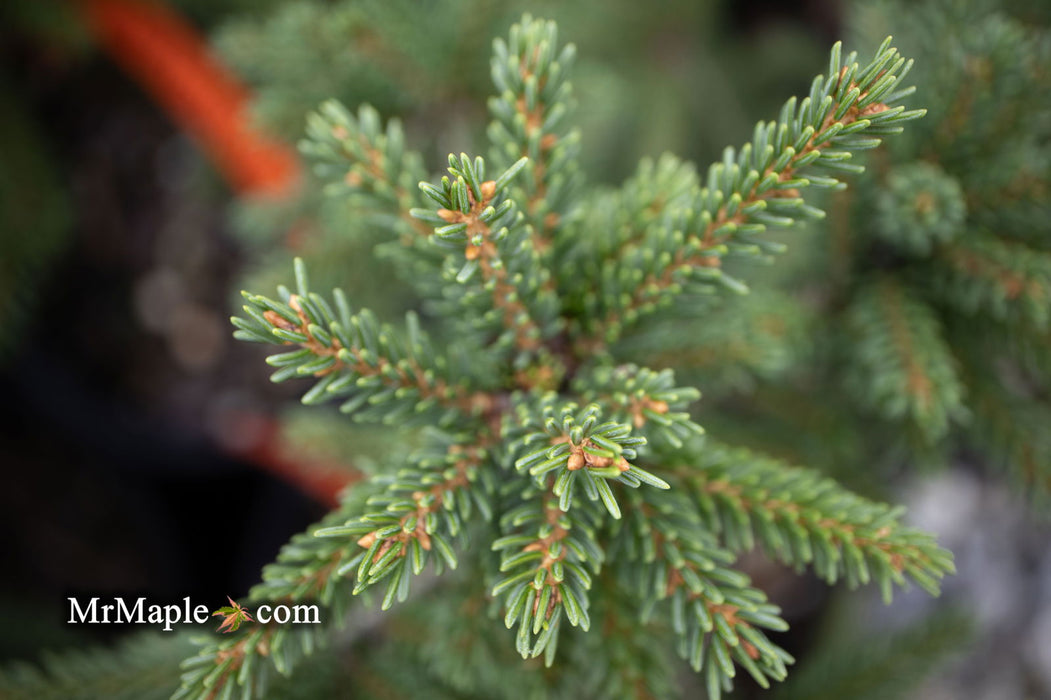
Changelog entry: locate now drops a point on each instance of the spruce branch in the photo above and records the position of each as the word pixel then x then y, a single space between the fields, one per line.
pixel 378 375
pixel 902 365
pixel 618 224
pixel 530 110
pixel 371 169
pixel 716 615
pixel 647 399
pixel 805 519
pixel 1005 279
pixel 577 450
pixel 513 299
pixel 757 187
pixel 423 509
pixel 358 158
pixel 544 570
pixel 420 511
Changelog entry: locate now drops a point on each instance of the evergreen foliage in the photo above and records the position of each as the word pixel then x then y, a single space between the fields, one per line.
pixel 141 667
pixel 427 65
pixel 586 475
pixel 804 518
pixel 931 305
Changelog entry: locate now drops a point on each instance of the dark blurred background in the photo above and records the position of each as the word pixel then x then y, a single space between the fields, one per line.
pixel 117 365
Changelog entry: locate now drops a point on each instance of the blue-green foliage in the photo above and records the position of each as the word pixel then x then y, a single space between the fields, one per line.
pixel 542 444
pixel 937 292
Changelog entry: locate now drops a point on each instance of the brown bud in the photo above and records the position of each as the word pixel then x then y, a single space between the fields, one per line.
pixel 278 321
pixel 874 108
pixel 488 189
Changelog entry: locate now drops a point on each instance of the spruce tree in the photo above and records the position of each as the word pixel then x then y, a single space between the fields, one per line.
pixel 569 490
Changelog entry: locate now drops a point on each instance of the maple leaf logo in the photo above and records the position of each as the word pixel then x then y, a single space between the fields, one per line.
pixel 233 616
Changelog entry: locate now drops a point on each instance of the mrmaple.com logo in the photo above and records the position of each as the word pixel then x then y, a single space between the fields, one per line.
pixel 120 611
